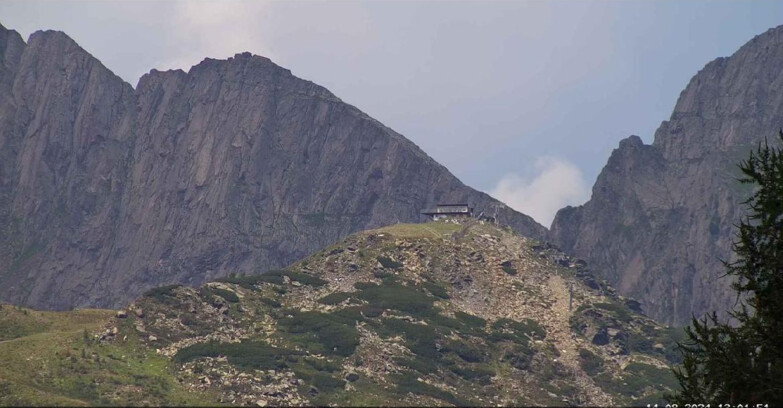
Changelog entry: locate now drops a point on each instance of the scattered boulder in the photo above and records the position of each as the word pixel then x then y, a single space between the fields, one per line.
pixel 121 314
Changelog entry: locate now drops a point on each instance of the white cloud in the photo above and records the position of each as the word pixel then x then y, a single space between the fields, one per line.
pixel 202 29
pixel 556 183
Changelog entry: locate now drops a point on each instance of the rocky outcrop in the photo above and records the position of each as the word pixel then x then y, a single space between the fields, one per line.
pixel 661 217
pixel 236 165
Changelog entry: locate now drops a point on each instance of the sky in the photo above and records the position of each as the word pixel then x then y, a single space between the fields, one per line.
pixel 522 99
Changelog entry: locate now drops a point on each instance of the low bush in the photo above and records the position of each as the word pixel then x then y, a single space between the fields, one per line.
pixel 590 362
pixel 388 263
pixel 225 294
pixel 397 297
pixel 466 351
pixel 420 339
pixel 247 354
pixel 335 298
pixel 479 374
pixel 329 333
pixel 408 383
pixel 422 365
pixel 471 320
pixel 162 294
pixel 436 290
pixel 620 311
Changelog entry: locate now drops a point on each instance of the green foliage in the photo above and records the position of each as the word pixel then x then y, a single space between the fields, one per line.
pixel 388 263
pixel 470 320
pixel 419 338
pixel 436 290
pixel 228 295
pixel 247 354
pixel 509 270
pixel 271 302
pixel 743 363
pixel 249 282
pixel 518 331
pixel 408 383
pixel 335 298
pixel 591 363
pixel 475 373
pixel 162 294
pixel 322 332
pixel 620 311
pixel 397 297
pixel 466 351
pixel 422 365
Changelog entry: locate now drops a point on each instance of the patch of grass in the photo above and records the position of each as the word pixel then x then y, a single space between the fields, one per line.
pixel 425 230
pixel 518 332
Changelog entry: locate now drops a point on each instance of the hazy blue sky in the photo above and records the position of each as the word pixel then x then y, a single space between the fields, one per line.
pixel 524 100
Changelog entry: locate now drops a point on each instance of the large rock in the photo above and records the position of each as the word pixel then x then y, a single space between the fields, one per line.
pixel 661 217
pixel 234 166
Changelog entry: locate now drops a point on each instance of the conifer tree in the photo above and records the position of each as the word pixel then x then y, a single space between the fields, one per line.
pixel 742 362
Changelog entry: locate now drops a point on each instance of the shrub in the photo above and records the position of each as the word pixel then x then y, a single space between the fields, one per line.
pixel 422 365
pixel 509 270
pixel 479 374
pixel 620 311
pixel 304 278
pixel 335 298
pixel 162 294
pixel 388 263
pixel 397 297
pixel 270 302
pixel 249 282
pixel 323 364
pixel 326 383
pixel 590 362
pixel 408 383
pixel 420 339
pixel 225 294
pixel 470 320
pixel 248 354
pixel 466 351
pixel 329 332
pixel 436 290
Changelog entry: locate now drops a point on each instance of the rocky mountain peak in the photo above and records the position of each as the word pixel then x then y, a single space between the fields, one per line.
pixel 236 165
pixel 662 216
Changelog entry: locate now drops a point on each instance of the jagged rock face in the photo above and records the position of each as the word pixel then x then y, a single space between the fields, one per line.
pixel 661 217
pixel 235 166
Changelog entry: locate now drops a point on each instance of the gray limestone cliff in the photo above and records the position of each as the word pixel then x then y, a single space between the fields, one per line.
pixel 236 166
pixel 661 217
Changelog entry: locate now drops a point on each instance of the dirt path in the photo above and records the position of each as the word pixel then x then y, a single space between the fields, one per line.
pixel 565 343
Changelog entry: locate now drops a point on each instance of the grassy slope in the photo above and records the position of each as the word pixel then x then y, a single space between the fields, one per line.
pixel 48 361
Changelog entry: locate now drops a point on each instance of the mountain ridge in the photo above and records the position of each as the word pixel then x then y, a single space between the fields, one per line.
pixel 235 165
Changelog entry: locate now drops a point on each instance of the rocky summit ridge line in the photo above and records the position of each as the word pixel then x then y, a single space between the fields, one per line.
pixel 236 165
pixel 661 216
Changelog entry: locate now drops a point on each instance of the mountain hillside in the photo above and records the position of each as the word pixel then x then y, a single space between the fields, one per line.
pixel 661 217
pixel 412 314
pixel 235 165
